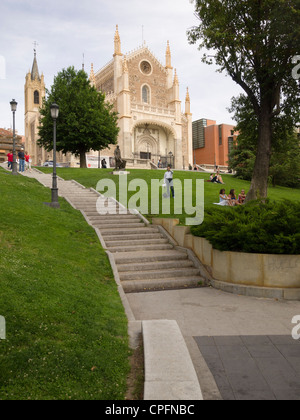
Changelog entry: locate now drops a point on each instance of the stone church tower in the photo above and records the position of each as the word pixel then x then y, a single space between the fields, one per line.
pixel 34 94
pixel 145 93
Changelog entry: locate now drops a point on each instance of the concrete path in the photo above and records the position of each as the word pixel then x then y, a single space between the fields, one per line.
pixel 241 347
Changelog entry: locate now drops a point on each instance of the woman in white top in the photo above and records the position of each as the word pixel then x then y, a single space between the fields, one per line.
pixel 168 180
pixel 223 199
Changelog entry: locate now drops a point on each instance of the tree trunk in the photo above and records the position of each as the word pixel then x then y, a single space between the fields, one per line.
pixel 259 183
pixel 82 160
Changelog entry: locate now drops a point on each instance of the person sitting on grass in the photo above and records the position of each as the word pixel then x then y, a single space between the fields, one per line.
pixel 232 200
pixel 216 179
pixel 242 197
pixel 220 179
pixel 223 199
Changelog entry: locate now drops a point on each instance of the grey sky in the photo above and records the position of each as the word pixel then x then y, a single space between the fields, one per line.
pixel 67 29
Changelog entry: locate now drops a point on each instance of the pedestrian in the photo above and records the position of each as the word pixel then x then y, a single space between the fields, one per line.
pixel 10 160
pixel 103 163
pixel 28 161
pixel 168 180
pixel 21 156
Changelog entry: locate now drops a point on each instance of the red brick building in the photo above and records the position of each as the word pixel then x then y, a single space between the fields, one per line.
pixel 6 143
pixel 212 142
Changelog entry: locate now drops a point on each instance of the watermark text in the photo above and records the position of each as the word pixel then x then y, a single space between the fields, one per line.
pixel 2 328
pixel 186 195
pixel 296 69
pixel 296 329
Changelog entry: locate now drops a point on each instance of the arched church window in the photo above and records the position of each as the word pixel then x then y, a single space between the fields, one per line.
pixel 146 94
pixel 36 97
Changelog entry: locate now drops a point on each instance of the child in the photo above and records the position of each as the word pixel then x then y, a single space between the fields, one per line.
pixel 242 197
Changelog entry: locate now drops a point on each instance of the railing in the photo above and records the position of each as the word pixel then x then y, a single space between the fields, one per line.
pixel 153 110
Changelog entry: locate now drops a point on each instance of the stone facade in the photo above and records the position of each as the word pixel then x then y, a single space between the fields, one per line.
pixel 145 94
pixel 34 93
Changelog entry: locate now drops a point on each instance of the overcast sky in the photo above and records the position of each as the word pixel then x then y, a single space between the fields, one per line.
pixel 67 29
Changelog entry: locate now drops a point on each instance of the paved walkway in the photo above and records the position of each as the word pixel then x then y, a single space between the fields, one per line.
pixel 241 346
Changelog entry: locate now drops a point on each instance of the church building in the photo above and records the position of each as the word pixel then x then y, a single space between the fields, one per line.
pixel 34 92
pixel 145 93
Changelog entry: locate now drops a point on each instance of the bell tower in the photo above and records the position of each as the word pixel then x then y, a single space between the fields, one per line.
pixel 34 93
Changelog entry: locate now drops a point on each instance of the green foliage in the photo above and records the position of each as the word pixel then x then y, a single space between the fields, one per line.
pixel 253 43
pixel 66 327
pixel 86 122
pixel 267 228
pixel 285 159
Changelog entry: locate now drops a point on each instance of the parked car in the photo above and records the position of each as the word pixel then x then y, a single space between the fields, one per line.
pixel 49 164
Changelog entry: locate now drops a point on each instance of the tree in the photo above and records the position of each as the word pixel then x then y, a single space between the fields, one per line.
pixel 285 152
pixel 255 42
pixel 86 122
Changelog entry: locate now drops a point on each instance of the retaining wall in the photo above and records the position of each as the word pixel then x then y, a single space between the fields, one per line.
pixel 273 275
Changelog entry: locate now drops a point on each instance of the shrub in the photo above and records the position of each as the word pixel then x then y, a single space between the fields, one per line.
pixel 267 228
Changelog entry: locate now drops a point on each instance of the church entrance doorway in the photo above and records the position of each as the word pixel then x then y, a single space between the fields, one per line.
pixel 145 155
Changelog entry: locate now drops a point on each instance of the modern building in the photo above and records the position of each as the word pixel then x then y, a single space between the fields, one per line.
pixel 212 143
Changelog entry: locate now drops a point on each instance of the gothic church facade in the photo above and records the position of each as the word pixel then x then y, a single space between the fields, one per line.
pixel 145 93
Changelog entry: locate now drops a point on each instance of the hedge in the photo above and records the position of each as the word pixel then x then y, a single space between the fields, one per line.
pixel 256 227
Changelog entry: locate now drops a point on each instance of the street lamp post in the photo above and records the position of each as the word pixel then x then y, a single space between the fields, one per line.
pixel 13 105
pixel 54 108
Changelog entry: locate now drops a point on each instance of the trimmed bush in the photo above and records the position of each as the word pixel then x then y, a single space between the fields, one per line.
pixel 270 228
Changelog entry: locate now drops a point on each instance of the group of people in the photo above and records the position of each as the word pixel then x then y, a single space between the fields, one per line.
pixel 216 178
pixel 24 160
pixel 231 199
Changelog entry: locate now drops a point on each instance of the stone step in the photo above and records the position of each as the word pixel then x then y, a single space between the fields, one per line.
pixel 159 274
pixel 102 220
pixel 154 265
pixel 117 225
pixel 133 286
pixel 121 238
pixel 84 201
pixel 94 212
pixel 113 217
pixel 139 248
pixel 128 231
pixel 132 242
pixel 149 256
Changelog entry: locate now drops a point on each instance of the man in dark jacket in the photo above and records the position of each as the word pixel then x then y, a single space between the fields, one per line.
pixel 21 156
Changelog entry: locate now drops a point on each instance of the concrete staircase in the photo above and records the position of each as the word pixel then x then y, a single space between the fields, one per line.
pixel 144 256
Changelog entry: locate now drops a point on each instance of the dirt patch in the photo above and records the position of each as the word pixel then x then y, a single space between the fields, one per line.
pixel 135 381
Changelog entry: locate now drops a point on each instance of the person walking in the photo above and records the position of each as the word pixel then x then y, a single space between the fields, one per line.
pixel 10 159
pixel 21 156
pixel 168 180
pixel 28 161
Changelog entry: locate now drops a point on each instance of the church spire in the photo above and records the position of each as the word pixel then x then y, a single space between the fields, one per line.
pixel 187 102
pixel 176 81
pixel 92 76
pixel 168 57
pixel 117 42
pixel 35 70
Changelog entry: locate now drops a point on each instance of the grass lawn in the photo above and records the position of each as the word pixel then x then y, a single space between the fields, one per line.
pixel 66 330
pixel 90 177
